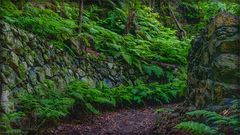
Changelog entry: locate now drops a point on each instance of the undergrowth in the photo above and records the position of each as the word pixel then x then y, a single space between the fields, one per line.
pixel 9 123
pixel 200 13
pixel 150 45
pixel 205 122
pixel 47 104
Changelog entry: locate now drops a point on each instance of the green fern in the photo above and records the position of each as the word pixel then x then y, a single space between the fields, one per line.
pixel 231 123
pixel 47 103
pixel 160 110
pixel 7 120
pixel 214 117
pixel 128 58
pixel 153 70
pixel 150 42
pixel 91 108
pixel 196 128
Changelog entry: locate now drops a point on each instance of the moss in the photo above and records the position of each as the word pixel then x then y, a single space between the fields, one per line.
pixel 7 70
pixel 22 69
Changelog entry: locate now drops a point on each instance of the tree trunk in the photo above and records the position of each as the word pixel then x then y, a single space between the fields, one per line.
pixel 131 17
pixel 129 25
pixel 153 5
pixel 80 19
pixel 1 107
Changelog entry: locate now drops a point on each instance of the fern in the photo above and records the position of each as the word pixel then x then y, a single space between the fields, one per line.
pixel 46 103
pixel 147 69
pixel 196 128
pixel 54 108
pixel 214 117
pixel 49 104
pixel 138 64
pixel 7 120
pixel 88 97
pixel 160 110
pixel 153 70
pixel 91 108
pixel 150 42
pixel 128 58
pixel 217 121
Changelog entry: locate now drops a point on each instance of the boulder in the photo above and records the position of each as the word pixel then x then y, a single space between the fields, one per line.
pixel 213 70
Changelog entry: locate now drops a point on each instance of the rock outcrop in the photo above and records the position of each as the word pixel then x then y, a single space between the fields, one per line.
pixel 26 61
pixel 214 62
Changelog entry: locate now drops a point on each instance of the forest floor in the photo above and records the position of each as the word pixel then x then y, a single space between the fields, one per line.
pixel 137 121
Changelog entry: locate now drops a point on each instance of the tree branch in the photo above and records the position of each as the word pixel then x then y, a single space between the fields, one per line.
pixel 182 31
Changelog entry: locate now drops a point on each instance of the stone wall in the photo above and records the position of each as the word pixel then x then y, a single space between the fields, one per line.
pixel 214 62
pixel 26 61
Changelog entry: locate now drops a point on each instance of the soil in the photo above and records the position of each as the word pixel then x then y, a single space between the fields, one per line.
pixel 123 122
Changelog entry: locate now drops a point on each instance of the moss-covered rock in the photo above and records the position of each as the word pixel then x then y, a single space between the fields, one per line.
pixel 215 57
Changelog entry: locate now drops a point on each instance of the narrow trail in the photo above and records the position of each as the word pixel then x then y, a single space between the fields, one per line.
pixel 123 122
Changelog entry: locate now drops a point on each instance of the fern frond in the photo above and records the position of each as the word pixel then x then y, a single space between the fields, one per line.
pixel 153 70
pixel 210 116
pixel 91 108
pixel 196 128
pixel 217 120
pixel 128 58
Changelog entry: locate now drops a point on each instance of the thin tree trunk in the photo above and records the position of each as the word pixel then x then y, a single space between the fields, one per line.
pixel 1 85
pixel 62 8
pixel 150 3
pixel 19 3
pixel 182 31
pixel 80 19
pixel 153 5
pixel 131 16
pixel 99 2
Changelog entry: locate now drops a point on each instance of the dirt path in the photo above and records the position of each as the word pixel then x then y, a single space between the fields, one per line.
pixel 123 122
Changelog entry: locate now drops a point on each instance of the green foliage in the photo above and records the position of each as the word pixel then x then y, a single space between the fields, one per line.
pixel 115 21
pixel 196 128
pixel 160 110
pixel 46 103
pixel 88 97
pixel 210 8
pixel 216 119
pixel 153 69
pixel 8 120
pixel 150 41
pixel 209 122
pixel 144 47
pixel 122 95
pixel 46 23
pixel 42 22
pixel 205 10
pixel 7 8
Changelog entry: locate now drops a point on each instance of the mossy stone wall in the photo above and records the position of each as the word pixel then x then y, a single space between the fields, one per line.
pixel 26 61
